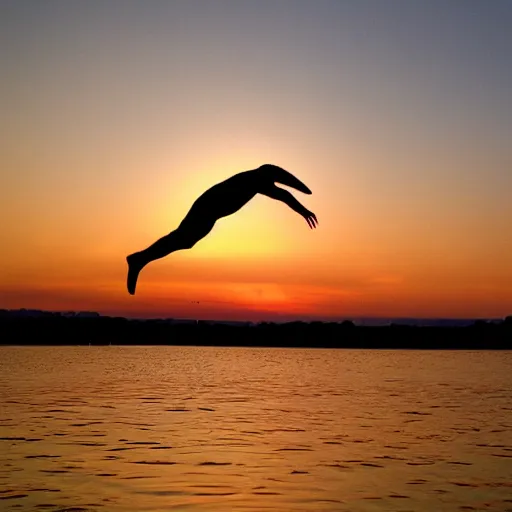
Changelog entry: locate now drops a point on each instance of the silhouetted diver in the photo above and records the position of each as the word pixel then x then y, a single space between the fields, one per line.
pixel 221 200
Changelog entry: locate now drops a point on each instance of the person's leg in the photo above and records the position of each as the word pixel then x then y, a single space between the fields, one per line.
pixel 185 237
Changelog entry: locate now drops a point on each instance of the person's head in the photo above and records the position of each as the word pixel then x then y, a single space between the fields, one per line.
pixel 279 175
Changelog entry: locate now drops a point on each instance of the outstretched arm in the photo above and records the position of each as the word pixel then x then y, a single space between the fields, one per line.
pixel 283 195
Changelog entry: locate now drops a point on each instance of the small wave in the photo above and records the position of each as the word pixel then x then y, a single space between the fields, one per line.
pixel 155 462
pixel 142 442
pixel 293 450
pixel 209 463
pixel 42 456
pixel 13 496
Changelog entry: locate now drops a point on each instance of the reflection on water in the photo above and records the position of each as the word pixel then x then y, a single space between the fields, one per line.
pixel 192 428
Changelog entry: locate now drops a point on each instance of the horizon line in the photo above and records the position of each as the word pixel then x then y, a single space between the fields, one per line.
pixel 274 321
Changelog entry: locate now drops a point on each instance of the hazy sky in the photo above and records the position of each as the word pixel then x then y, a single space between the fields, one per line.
pixel 116 115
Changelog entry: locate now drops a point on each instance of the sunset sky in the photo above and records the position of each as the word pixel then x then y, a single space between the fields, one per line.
pixel 117 115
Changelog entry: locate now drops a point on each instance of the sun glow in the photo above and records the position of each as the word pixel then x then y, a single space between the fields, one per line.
pixel 110 135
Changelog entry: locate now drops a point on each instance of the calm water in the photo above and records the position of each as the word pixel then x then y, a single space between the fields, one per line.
pixel 229 429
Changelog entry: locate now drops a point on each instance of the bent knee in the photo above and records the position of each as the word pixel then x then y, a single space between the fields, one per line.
pixel 188 244
pixel 189 237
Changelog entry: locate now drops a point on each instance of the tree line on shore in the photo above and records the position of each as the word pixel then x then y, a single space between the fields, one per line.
pixel 48 328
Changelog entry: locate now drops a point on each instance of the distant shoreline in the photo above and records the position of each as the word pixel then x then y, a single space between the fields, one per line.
pixel 25 328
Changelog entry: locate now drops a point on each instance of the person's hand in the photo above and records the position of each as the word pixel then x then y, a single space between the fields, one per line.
pixel 310 219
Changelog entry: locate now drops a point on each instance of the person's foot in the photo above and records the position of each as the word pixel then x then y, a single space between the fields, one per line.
pixel 134 268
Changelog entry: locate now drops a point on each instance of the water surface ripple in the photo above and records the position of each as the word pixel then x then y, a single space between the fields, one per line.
pixel 218 429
